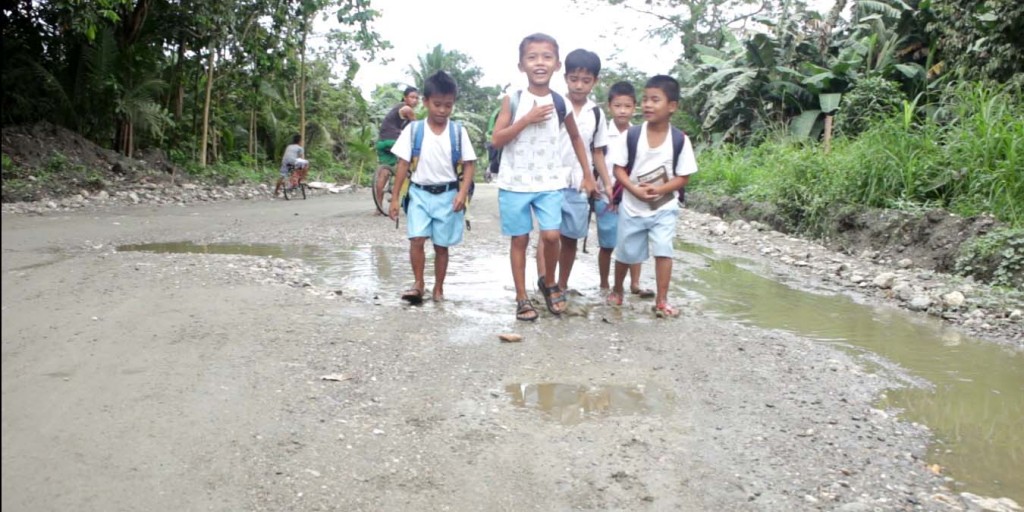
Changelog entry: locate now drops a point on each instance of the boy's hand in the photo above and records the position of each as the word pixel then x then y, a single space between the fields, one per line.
pixel 460 201
pixel 648 192
pixel 589 186
pixel 539 113
pixel 393 211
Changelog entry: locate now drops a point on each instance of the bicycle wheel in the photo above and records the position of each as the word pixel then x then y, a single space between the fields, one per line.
pixel 286 189
pixel 302 188
pixel 382 188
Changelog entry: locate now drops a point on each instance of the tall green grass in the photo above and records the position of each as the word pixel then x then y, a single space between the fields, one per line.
pixel 965 154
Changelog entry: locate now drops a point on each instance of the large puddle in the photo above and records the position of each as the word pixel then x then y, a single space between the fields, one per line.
pixel 976 408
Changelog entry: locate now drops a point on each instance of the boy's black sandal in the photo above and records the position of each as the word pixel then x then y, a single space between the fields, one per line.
pixel 550 301
pixel 525 310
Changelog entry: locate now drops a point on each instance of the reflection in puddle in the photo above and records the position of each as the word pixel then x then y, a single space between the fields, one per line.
pixel 977 406
pixel 277 251
pixel 570 404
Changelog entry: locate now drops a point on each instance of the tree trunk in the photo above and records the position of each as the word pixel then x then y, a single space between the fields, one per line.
pixel 302 85
pixel 179 83
pixel 206 108
pixel 828 134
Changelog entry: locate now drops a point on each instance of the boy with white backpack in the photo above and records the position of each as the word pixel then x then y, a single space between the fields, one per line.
pixel 434 150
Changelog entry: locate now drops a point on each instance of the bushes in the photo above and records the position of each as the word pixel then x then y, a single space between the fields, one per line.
pixel 967 156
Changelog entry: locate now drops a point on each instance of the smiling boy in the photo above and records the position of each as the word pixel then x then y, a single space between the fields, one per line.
pixel 648 212
pixel 532 172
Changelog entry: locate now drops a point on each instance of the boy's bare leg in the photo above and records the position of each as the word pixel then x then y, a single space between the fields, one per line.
pixel 634 276
pixel 541 261
pixel 604 266
pixel 620 276
pixel 517 257
pixel 550 246
pixel 440 271
pixel 382 179
pixel 662 273
pixel 277 188
pixel 418 258
pixel 566 258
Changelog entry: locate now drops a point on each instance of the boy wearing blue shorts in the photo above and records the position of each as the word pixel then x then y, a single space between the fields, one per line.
pixel 650 179
pixel 622 106
pixel 532 172
pixel 581 71
pixel 437 198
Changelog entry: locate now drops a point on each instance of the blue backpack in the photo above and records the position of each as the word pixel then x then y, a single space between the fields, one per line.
pixel 455 134
pixel 493 153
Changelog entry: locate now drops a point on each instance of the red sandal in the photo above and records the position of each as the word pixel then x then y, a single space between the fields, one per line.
pixel 664 309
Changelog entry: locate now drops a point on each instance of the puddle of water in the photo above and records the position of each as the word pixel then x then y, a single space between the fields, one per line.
pixel 976 409
pixel 570 404
pixel 277 251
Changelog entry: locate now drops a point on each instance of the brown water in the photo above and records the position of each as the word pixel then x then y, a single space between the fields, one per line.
pixel 975 409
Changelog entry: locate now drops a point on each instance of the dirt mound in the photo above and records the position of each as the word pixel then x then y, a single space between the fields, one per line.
pixel 932 240
pixel 48 161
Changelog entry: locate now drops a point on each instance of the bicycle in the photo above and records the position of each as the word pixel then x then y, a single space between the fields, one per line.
pixel 383 180
pixel 295 182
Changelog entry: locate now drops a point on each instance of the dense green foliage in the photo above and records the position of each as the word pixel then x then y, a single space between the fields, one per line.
pixel 967 155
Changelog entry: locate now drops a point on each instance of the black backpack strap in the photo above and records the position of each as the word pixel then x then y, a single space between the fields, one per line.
pixel 632 139
pixel 678 141
pixel 559 102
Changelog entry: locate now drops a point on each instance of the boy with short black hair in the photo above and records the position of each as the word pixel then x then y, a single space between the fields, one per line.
pixel 622 105
pixel 437 198
pixel 649 211
pixel 532 172
pixel 581 72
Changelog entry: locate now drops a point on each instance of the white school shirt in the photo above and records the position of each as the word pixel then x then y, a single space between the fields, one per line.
pixel 613 138
pixel 435 165
pixel 291 153
pixel 585 124
pixel 649 159
pixel 532 162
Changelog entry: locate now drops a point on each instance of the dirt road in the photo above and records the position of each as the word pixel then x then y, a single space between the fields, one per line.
pixel 136 380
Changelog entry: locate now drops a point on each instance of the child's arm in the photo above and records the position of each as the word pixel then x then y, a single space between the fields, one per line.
pixel 589 185
pixel 468 169
pixel 669 187
pixel 602 170
pixel 401 172
pixel 504 131
pixel 622 177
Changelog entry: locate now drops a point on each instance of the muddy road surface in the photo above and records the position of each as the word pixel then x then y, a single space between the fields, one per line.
pixel 255 355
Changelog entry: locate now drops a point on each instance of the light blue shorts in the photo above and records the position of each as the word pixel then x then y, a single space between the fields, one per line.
pixel 515 210
pixel 431 216
pixel 575 214
pixel 607 225
pixel 636 233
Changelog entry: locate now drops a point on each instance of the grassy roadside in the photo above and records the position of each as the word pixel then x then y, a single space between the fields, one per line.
pixel 965 155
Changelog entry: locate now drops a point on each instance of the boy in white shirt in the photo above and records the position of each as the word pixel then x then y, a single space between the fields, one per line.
pixel 532 172
pixel 581 71
pixel 622 105
pixel 649 210
pixel 437 197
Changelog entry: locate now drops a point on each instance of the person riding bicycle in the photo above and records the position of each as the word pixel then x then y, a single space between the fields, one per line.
pixel 292 161
pixel 390 128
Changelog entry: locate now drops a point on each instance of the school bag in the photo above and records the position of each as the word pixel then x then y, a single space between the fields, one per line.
pixel 454 133
pixel 632 140
pixel 493 153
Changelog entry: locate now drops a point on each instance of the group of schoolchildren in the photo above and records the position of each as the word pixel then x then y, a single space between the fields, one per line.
pixel 556 164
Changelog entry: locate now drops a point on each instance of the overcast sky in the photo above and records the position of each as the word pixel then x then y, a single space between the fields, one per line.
pixel 490 31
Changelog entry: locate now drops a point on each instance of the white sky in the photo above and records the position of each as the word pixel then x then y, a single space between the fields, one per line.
pixel 489 32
